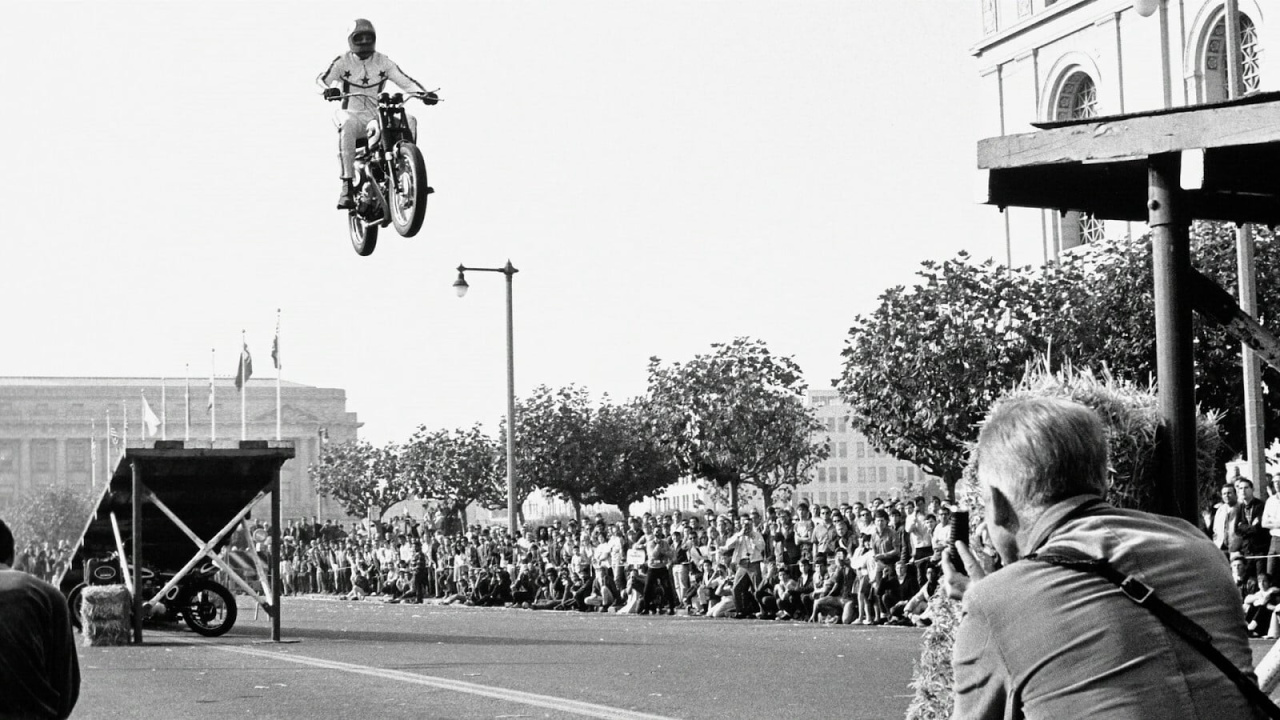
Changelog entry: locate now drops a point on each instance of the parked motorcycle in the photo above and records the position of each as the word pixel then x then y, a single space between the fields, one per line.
pixel 205 604
pixel 390 183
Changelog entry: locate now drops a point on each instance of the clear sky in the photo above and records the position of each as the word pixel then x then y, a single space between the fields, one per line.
pixel 664 175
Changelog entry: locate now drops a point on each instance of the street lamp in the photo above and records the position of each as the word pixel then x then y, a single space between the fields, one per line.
pixel 460 286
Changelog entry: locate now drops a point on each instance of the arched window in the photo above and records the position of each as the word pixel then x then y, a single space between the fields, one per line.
pixel 1214 61
pixel 1077 99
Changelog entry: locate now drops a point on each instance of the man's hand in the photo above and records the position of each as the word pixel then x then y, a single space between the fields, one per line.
pixel 332 93
pixel 955 584
pixel 429 98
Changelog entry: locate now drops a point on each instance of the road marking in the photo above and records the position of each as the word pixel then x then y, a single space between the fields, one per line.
pixel 544 701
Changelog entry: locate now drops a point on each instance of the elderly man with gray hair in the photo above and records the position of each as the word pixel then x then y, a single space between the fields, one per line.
pixel 1067 627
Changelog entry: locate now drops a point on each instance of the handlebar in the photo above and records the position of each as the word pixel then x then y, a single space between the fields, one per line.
pixel 427 98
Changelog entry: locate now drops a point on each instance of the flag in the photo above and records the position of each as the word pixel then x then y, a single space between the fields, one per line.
pixel 275 344
pixel 245 369
pixel 150 423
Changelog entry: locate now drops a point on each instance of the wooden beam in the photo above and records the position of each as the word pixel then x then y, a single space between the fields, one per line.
pixel 1114 192
pixel 1134 137
pixel 222 565
pixel 120 554
pixel 204 549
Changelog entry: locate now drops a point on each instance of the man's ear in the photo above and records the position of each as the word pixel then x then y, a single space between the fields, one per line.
pixel 1002 509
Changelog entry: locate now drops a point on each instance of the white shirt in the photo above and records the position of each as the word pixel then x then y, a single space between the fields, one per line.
pixel 1271 515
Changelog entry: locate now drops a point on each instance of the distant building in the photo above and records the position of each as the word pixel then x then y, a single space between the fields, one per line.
pixel 68 431
pixel 856 470
pixel 1051 60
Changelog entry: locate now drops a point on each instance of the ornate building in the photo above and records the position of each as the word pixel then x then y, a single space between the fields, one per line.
pixel 70 431
pixel 1050 60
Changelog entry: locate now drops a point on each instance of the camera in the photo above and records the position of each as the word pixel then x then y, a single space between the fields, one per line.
pixel 959 531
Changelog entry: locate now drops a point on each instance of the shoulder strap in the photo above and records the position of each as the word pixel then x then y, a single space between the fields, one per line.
pixel 1144 595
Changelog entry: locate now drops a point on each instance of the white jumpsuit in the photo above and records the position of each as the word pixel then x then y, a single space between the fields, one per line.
pixel 366 79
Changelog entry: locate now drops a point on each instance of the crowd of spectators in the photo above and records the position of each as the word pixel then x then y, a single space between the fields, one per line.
pixel 1247 530
pixel 873 563
pixel 43 559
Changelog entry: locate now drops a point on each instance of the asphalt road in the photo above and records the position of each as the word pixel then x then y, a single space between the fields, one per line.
pixel 373 660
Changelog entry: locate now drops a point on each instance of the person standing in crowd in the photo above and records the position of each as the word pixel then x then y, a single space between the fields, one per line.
pixel 1223 525
pixel 743 547
pixel 39 669
pixel 920 533
pixel 1271 522
pixel 1041 640
pixel 822 536
pixel 804 530
pixel 658 592
pixel 1254 540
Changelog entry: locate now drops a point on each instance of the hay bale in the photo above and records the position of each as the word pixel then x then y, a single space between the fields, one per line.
pixel 105 611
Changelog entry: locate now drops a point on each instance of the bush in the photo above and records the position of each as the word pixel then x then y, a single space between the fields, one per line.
pixel 1131 414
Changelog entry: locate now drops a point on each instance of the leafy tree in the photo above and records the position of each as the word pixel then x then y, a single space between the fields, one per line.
pixel 923 368
pixel 363 479
pixel 457 469
pixel 735 415
pixel 630 462
pixel 51 514
pixel 794 459
pixel 554 444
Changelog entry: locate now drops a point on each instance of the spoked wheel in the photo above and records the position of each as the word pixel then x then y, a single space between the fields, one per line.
pixel 73 604
pixel 409 194
pixel 364 235
pixel 209 608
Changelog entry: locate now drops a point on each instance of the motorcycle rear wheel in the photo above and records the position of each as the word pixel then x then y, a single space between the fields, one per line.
pixel 409 189
pixel 364 236
pixel 209 608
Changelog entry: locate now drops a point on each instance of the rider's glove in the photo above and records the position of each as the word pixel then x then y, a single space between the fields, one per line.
pixel 332 93
pixel 430 98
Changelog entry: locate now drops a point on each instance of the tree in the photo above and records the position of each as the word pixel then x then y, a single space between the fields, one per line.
pixel 554 444
pixel 735 415
pixel 794 459
pixel 53 515
pixel 923 368
pixel 629 461
pixel 455 468
pixel 363 479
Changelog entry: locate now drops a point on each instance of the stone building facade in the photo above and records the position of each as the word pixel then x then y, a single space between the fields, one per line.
pixel 69 431
pixel 1051 60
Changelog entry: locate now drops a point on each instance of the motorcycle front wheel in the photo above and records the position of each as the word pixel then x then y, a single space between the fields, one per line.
pixel 73 604
pixel 364 235
pixel 409 191
pixel 209 608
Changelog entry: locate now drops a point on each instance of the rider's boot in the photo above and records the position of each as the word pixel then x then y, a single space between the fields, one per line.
pixel 345 201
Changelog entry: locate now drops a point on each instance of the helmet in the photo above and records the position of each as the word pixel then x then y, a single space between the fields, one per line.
pixel 361 39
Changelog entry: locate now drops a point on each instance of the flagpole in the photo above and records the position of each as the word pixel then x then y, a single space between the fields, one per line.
pixel 213 405
pixel 244 386
pixel 93 452
pixel 108 441
pixel 164 410
pixel 275 357
pixel 124 410
pixel 186 395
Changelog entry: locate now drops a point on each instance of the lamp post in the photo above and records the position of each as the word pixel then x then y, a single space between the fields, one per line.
pixel 460 285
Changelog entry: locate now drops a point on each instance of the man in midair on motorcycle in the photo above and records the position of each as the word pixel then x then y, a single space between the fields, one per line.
pixel 364 73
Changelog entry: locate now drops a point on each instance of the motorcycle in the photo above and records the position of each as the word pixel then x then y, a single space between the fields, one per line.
pixel 390 183
pixel 206 605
